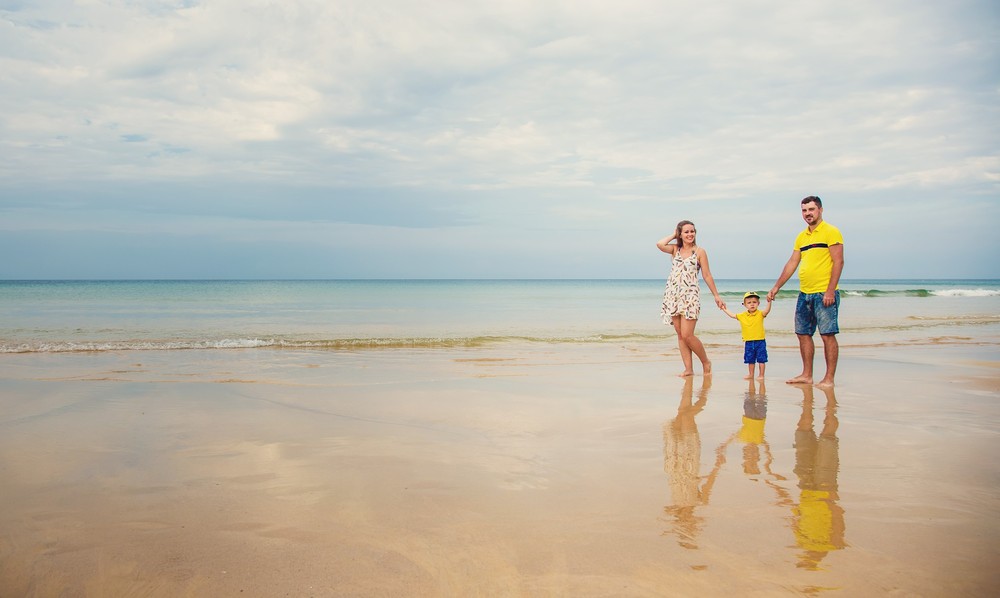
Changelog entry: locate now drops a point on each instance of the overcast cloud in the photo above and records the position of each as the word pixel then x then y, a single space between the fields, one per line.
pixel 509 139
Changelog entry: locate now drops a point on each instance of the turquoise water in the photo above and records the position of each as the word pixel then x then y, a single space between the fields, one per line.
pixel 55 316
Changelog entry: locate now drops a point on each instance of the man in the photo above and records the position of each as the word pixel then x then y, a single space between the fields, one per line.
pixel 819 256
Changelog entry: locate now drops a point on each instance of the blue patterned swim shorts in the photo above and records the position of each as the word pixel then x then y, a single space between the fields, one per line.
pixel 755 351
pixel 810 314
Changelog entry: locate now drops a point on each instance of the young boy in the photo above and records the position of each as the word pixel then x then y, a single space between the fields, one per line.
pixel 752 325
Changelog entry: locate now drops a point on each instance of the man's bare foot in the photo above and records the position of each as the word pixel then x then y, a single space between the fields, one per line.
pixel 800 380
pixel 685 374
pixel 824 383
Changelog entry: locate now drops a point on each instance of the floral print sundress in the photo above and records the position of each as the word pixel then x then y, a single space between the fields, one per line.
pixel 682 296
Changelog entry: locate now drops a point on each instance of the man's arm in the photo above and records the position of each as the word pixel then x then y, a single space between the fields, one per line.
pixel 837 255
pixel 786 273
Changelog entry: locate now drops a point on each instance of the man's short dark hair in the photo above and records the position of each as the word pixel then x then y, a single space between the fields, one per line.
pixel 813 198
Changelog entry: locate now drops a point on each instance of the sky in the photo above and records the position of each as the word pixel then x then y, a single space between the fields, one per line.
pixel 493 139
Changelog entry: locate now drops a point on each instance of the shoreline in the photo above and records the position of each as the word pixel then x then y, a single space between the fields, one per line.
pixel 509 470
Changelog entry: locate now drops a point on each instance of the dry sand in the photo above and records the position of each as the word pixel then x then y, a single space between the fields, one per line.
pixel 527 470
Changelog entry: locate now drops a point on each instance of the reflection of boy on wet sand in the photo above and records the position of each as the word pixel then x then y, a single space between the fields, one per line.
pixel 818 519
pixel 751 433
pixel 682 462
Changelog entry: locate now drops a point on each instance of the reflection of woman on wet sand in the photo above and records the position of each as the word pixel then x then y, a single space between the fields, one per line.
pixel 818 519
pixel 682 462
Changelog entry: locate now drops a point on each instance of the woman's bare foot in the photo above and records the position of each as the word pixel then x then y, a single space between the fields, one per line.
pixel 707 367
pixel 801 379
pixel 685 374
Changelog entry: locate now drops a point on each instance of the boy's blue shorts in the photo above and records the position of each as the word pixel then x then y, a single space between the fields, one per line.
pixel 810 314
pixel 755 351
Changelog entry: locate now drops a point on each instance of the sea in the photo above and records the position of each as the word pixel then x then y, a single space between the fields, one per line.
pixel 50 316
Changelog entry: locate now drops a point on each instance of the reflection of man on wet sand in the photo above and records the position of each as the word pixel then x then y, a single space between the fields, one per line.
pixel 818 519
pixel 682 462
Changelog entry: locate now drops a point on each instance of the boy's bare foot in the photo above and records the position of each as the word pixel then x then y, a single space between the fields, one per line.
pixel 748 376
pixel 761 377
pixel 800 380
pixel 685 374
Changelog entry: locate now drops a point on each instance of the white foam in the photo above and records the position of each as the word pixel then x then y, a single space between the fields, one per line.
pixel 70 346
pixel 967 293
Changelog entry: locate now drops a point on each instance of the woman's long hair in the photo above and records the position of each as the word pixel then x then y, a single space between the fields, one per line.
pixel 680 225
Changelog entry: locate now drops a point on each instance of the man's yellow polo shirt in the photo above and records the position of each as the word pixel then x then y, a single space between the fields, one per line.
pixel 816 264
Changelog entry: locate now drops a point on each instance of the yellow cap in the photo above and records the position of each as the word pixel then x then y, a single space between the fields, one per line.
pixel 750 294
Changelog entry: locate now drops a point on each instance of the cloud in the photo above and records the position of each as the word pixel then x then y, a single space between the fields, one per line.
pixel 547 116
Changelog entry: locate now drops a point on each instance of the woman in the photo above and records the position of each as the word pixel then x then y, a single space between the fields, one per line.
pixel 682 298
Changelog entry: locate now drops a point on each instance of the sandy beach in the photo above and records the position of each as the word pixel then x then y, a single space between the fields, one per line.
pixel 514 470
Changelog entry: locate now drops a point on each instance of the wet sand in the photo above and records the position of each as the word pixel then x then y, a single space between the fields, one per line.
pixel 514 470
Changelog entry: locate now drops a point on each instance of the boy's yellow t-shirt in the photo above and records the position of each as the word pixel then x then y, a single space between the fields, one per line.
pixel 752 325
pixel 752 431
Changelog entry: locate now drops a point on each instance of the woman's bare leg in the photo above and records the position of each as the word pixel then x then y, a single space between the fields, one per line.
pixel 685 349
pixel 694 344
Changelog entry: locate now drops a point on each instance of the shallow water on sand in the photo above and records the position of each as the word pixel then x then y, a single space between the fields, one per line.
pixel 514 470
